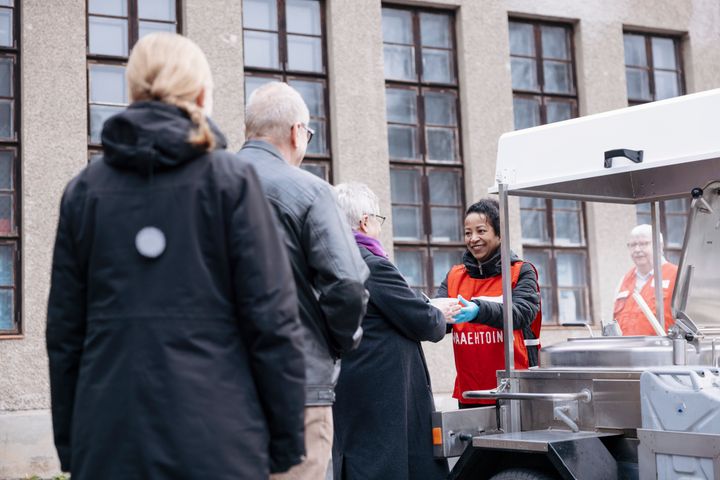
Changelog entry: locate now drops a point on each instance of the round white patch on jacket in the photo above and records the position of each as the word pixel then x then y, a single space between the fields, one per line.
pixel 150 242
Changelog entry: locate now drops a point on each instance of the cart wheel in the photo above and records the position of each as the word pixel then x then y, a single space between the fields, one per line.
pixel 522 474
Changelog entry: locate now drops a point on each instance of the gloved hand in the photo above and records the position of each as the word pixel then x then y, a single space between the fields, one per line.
pixel 468 312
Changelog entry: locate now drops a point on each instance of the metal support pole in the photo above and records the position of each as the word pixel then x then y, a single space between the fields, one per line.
pixel 657 264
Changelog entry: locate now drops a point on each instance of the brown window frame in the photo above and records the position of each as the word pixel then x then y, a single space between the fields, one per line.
pixel 13 145
pixel 648 36
pixel 285 74
pixel 427 246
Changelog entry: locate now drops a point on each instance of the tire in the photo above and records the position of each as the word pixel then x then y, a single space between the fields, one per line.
pixel 522 474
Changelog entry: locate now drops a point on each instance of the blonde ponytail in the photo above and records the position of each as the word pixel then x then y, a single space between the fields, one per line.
pixel 171 68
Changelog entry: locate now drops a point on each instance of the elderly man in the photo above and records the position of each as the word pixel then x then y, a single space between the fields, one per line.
pixel 329 272
pixel 639 279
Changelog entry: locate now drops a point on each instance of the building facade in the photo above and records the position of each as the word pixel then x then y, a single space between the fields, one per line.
pixel 409 97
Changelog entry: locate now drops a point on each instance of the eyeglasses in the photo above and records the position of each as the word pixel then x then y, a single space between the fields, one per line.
pixel 380 218
pixel 310 131
pixel 632 245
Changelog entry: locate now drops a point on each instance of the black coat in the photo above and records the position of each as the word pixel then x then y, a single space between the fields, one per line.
pixel 382 413
pixel 187 365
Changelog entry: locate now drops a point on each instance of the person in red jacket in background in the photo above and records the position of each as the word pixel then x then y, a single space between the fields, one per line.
pixel 639 279
pixel 477 328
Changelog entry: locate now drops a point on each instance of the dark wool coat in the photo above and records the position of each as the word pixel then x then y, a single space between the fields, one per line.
pixel 185 366
pixel 382 413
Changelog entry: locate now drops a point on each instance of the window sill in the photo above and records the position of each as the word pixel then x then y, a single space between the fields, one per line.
pixel 13 336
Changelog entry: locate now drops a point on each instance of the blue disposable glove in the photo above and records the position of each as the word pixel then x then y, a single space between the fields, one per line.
pixel 468 312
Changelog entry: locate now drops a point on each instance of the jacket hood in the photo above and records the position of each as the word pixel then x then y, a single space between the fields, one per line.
pixel 489 268
pixel 151 135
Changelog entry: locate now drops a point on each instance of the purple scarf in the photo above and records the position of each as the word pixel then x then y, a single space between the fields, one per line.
pixel 370 243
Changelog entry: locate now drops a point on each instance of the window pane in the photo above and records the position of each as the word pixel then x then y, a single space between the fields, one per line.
pixel 253 83
pixel 260 14
pixel 98 115
pixel 108 36
pixel 401 105
pixel 541 261
pixel 571 306
pixel 524 74
pixel 438 66
pixel 569 204
pixel 303 16
pixel 558 77
pixel 558 111
pixel 7 222
pixel 157 9
pixel 554 42
pixel 526 112
pixel 635 50
pixel 7 130
pixel 638 84
pixel 107 84
pixel 314 95
pixel 7 3
pixel 261 49
pixel 675 230
pixel 402 142
pixel 108 7
pixel 407 223
pixel 304 53
pixel 6 77
pixel 522 40
pixel 570 269
pixel 443 261
pixel 679 205
pixel 673 256
pixel 663 50
pixel 441 145
pixel 147 28
pixel 6 28
pixel 6 170
pixel 317 169
pixel 435 30
pixel 399 62
pixel 643 218
pixel 7 309
pixel 397 26
pixel 446 224
pixel 440 109
pixel 534 226
pixel 567 228
pixel 318 144
pixel 445 187
pixel 405 186
pixel 666 85
pixel 411 266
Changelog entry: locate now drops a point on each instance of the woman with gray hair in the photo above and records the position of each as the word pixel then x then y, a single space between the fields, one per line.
pixel 384 402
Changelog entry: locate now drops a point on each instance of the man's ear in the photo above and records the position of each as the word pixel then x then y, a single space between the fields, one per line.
pixel 200 99
pixel 294 136
pixel 364 224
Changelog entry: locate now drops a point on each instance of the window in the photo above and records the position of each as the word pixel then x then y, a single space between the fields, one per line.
pixel 652 67
pixel 423 125
pixel 10 320
pixel 673 219
pixel 284 40
pixel 113 27
pixel 553 231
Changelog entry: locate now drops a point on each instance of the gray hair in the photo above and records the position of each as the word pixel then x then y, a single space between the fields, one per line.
pixel 272 109
pixel 644 230
pixel 355 200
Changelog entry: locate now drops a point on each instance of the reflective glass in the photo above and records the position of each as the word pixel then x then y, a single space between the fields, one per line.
pixel 6 169
pixel 679 205
pixel 6 77
pixel 435 30
pixel 261 49
pixel 558 77
pixel 567 228
pixel 316 169
pixel 397 26
pixel 410 265
pixel 558 111
pixel 532 202
pixel 107 84
pixel 6 27
pixel 446 224
pixel 570 269
pixel 7 3
pixel 573 204
pixel 7 129
pixel 666 85
pixel 157 9
pixel 303 16
pixel 6 222
pixel 522 40
pixel 638 84
pixel 117 8
pixel 441 144
pixel 108 36
pixel 675 230
pixel 440 109
pixel 6 308
pixel 541 260
pixel 147 28
pixel 524 74
pixel 314 95
pixel 571 307
pixel 443 261
pixel 304 53
pixel 534 226
pixel 445 187
pixel 554 42
pixel 98 115
pixel 405 185
pixel 438 66
pixel 399 62
pixel 318 145
pixel 526 112
pixel 252 83
pixel 401 105
pixel 663 50
pixel 260 14
pixel 407 223
pixel 635 53
pixel 402 142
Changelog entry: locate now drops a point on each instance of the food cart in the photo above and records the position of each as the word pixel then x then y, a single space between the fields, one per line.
pixel 610 407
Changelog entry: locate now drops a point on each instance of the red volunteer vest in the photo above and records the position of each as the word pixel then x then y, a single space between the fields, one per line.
pixel 478 348
pixel 627 312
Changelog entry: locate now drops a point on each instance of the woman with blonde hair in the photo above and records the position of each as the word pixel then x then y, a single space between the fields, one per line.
pixel 172 328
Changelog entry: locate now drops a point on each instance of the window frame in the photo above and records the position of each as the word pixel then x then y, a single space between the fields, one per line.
pixel 648 36
pixel 668 251
pixel 426 245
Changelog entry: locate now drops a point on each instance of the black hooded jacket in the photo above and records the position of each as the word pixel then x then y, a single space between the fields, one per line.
pixel 187 365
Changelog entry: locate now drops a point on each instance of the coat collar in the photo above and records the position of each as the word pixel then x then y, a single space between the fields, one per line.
pixel 266 147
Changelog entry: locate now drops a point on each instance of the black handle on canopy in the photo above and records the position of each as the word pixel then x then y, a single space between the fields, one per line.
pixel 632 155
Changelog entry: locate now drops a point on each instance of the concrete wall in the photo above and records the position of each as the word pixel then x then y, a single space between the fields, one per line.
pixel 54 140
